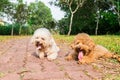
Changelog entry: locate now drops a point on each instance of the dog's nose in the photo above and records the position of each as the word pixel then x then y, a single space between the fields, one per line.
pixel 79 48
pixel 37 43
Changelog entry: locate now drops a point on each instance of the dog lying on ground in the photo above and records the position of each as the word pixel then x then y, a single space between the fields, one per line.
pixel 86 51
pixel 45 44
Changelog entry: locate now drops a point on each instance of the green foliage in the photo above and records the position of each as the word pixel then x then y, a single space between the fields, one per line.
pixel 108 23
pixel 39 15
pixel 21 14
pixel 63 26
pixel 27 17
pixel 85 19
pixel 3 4
pixel 6 30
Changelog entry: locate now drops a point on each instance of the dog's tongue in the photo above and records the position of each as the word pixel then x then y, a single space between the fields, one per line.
pixel 80 55
pixel 39 47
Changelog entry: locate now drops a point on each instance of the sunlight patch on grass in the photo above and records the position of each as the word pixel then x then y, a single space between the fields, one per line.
pixel 111 42
pixel 64 38
pixel 2 74
pixel 111 77
pixel 5 38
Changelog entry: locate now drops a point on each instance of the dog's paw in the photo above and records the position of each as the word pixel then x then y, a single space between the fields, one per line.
pixel 52 56
pixel 68 57
pixel 41 56
pixel 81 62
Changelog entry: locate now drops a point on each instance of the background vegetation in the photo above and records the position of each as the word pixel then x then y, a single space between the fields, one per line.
pixel 91 16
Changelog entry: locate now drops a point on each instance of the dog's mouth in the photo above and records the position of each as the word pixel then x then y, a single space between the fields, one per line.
pixel 39 45
pixel 80 52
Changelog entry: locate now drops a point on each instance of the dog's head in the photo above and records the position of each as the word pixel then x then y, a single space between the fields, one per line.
pixel 41 38
pixel 83 44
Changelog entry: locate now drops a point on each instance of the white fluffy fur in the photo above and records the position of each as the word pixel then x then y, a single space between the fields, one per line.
pixel 44 37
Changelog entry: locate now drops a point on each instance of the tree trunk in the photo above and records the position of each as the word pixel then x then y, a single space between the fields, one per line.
pixel 119 19
pixel 20 29
pixel 96 29
pixel 12 30
pixel 70 26
pixel 97 18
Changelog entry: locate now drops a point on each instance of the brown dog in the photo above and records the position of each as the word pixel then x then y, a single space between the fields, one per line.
pixel 86 51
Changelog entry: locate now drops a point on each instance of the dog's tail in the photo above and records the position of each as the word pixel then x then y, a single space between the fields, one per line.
pixel 116 56
pixel 113 55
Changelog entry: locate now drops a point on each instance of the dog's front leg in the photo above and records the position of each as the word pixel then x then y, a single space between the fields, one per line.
pixel 41 55
pixel 52 56
pixel 86 60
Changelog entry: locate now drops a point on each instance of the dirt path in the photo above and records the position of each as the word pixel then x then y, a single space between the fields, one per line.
pixel 18 62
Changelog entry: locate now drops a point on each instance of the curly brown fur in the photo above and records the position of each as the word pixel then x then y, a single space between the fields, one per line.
pixel 88 50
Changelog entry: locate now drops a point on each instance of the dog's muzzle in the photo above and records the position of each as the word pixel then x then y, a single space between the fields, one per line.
pixel 80 52
pixel 39 45
pixel 78 49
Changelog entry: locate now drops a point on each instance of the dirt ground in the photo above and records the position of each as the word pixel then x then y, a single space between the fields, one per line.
pixel 18 62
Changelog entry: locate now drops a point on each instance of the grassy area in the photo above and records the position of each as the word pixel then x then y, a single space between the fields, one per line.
pixel 111 42
pixel 5 38
pixel 111 77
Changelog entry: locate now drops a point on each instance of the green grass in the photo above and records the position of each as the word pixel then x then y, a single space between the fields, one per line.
pixel 5 38
pixel 111 42
pixel 64 38
pixel 111 77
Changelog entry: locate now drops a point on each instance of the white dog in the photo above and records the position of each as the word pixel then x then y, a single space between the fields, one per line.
pixel 45 44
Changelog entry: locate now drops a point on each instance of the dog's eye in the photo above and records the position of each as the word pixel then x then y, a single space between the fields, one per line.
pixel 77 43
pixel 37 37
pixel 43 38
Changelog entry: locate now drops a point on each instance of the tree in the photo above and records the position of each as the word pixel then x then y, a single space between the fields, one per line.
pixel 73 10
pixel 82 19
pixel 85 21
pixel 97 15
pixel 40 15
pixel 63 24
pixel 3 4
pixel 21 14
pixel 9 11
pixel 16 13
pixel 115 5
pixel 108 23
pixel 106 5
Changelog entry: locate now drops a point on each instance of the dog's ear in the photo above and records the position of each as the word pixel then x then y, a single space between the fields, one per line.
pixel 72 46
pixel 91 44
pixel 32 40
pixel 51 41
